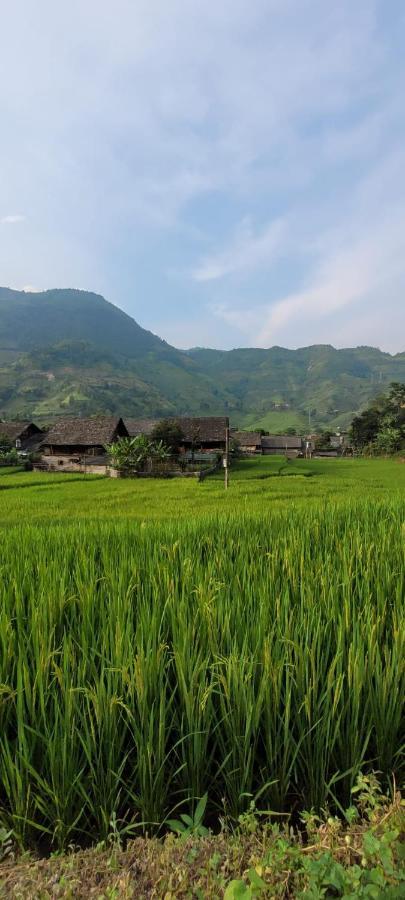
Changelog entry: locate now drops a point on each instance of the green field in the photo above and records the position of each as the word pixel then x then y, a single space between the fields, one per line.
pixel 257 487
pixel 160 640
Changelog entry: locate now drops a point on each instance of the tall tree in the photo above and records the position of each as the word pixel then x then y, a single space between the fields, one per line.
pixel 382 424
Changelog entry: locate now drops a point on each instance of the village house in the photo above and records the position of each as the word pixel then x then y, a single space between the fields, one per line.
pixel 337 445
pixel 200 434
pixel 74 444
pixel 247 442
pixel 24 436
pixel 340 441
pixel 290 445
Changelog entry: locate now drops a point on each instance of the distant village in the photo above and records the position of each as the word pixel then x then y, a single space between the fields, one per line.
pixel 77 444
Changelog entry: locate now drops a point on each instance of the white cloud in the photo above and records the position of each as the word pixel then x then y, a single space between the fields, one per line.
pixel 12 220
pixel 31 289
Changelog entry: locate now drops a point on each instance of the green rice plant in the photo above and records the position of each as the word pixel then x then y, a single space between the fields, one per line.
pixel 144 665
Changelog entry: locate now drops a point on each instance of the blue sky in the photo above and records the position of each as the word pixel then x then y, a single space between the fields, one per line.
pixel 229 173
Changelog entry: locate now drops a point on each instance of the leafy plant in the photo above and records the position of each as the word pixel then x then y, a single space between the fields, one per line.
pixel 191 825
pixel 6 843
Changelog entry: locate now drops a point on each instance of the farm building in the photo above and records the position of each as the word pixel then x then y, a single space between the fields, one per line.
pixel 71 440
pixel 288 444
pixel 201 433
pixel 249 442
pixel 22 435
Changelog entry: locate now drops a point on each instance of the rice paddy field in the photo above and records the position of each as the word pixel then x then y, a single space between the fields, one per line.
pixel 165 640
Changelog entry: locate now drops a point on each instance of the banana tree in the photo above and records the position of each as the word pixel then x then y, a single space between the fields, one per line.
pixel 130 453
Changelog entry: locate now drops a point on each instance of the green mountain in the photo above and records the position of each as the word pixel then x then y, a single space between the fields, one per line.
pixel 315 385
pixel 29 321
pixel 72 352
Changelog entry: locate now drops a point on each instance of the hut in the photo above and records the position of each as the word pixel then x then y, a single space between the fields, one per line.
pixel 248 442
pixel 74 443
pixel 278 444
pixel 24 436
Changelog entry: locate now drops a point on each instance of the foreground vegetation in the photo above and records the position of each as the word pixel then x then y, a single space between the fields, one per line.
pixel 358 857
pixel 144 666
pixel 163 642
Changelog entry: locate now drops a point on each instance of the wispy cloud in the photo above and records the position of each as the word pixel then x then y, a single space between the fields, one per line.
pixel 230 140
pixel 353 277
pixel 12 220
pixel 245 251
pixel 340 280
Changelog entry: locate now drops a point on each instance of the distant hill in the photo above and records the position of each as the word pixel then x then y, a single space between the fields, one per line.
pixel 28 321
pixel 318 384
pixel 69 351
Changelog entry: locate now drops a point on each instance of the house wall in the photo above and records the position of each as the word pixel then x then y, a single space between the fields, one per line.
pixel 281 451
pixel 249 450
pixel 60 463
pixel 67 450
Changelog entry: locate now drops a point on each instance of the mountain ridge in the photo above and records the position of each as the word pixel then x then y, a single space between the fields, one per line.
pixel 67 351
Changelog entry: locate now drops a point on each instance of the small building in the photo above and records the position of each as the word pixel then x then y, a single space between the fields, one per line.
pixel 199 433
pixel 321 446
pixel 248 442
pixel 72 444
pixel 282 444
pixel 25 436
pixel 340 441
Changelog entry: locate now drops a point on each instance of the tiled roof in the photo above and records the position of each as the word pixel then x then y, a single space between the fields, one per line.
pixel 91 432
pixel 140 426
pixel 14 430
pixel 194 428
pixel 247 438
pixel 281 441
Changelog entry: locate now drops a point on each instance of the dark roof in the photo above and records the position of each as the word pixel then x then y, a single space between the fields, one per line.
pixel 94 432
pixel 14 430
pixel 35 441
pixel 194 428
pixel 140 426
pixel 247 438
pixel 282 441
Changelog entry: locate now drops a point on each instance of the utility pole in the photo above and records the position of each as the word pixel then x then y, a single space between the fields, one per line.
pixel 309 420
pixel 226 458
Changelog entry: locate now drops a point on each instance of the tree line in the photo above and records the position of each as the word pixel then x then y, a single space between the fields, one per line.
pixel 381 427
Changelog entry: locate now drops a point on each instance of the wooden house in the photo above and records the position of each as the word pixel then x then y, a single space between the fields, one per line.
pixel 199 433
pixel 282 444
pixel 22 435
pixel 248 442
pixel 83 437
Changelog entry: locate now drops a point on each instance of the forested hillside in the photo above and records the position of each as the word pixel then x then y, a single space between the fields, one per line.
pixel 69 351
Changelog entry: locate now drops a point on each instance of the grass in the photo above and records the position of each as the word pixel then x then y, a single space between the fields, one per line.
pixel 160 640
pixel 277 421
